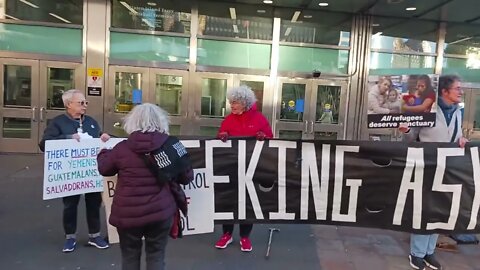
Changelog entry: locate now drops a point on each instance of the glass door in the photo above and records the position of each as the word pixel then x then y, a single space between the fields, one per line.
pixel 169 90
pixel 31 96
pixel 259 85
pixel 293 114
pixel 19 108
pixel 55 79
pixel 471 115
pixel 327 118
pixel 126 86
pixel 210 103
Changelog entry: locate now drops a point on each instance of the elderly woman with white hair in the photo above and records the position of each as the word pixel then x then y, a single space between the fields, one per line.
pixel 144 204
pixel 245 121
pixel 74 124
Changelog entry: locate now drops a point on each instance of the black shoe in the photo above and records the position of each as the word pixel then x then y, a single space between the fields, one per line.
pixel 416 262
pixel 432 262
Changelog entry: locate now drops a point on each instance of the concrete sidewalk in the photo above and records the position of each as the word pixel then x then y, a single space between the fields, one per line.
pixel 31 239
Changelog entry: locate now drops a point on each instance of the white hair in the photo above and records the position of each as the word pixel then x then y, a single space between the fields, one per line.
pixel 243 94
pixel 68 95
pixel 146 117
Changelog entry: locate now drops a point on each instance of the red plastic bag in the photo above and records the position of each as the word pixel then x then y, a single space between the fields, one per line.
pixel 176 229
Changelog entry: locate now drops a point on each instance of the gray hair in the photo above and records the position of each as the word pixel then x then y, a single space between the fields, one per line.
pixel 67 96
pixel 146 117
pixel 242 94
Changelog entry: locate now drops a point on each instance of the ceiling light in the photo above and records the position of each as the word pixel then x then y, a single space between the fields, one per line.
pixel 267 1
pixel 233 13
pixel 58 17
pixel 411 8
pixel 152 4
pixel 148 23
pixel 28 3
pixel 295 16
pixel 11 17
pixel 307 16
pixel 261 11
pixel 289 29
pixel 127 6
pixel 323 4
pixel 375 24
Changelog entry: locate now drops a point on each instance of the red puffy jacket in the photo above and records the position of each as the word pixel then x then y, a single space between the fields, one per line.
pixel 246 124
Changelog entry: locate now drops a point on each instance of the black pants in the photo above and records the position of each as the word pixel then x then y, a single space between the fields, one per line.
pixel 245 229
pixel 156 238
pixel 70 206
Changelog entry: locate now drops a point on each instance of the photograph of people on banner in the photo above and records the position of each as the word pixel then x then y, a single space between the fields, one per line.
pixel 402 99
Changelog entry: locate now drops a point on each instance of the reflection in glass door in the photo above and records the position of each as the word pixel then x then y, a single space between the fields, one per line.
pixel 471 119
pixel 210 103
pixel 170 93
pixel 291 122
pixel 329 110
pixel 126 86
pixel 311 109
pixel 55 79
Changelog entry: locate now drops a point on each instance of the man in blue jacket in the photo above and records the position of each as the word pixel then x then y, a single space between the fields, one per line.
pixel 74 124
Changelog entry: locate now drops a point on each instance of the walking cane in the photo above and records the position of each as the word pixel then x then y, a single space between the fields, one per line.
pixel 267 255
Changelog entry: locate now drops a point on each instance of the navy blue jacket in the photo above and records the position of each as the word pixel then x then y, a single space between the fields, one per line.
pixel 64 126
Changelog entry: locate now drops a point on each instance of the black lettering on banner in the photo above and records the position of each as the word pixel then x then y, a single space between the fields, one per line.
pixel 419 188
pixel 111 188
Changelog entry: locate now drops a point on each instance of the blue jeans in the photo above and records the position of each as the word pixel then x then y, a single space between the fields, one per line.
pixel 422 244
pixel 93 201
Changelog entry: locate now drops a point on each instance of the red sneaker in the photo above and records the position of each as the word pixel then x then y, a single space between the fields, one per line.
pixel 245 244
pixel 224 241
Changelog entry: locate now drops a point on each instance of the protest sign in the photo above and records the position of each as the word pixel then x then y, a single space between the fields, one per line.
pixel 70 167
pixel 200 205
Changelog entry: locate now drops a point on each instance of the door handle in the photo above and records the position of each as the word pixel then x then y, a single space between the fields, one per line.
pixel 312 126
pixel 34 115
pixel 305 128
pixel 42 111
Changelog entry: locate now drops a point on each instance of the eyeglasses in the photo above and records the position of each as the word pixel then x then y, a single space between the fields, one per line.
pixel 83 102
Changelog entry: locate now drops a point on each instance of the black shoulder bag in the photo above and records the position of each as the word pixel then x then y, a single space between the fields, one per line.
pixel 166 164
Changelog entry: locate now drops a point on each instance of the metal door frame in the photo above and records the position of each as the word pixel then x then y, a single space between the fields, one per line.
pixel 18 144
pixel 338 128
pixel 285 125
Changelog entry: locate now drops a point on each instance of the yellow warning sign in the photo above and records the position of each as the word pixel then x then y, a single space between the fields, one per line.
pixel 95 72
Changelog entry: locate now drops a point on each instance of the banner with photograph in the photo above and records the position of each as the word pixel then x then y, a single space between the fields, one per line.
pixel 399 99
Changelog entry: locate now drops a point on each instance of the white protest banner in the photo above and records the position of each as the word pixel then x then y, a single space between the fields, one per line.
pixel 70 167
pixel 200 205
pixel 107 197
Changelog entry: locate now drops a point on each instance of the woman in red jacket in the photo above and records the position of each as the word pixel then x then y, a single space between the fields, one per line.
pixel 244 120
